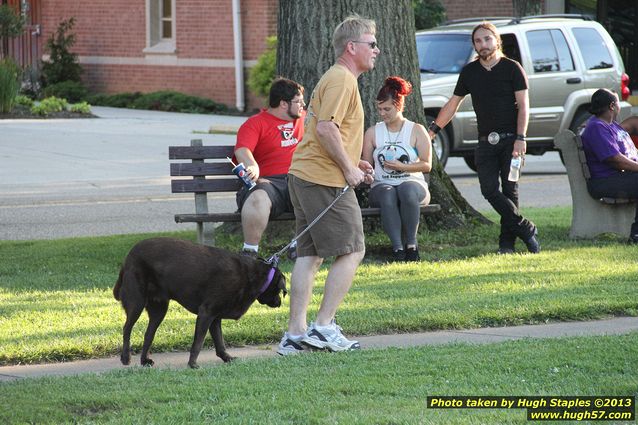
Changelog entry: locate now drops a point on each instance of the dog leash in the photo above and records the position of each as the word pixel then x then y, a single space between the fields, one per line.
pixel 274 259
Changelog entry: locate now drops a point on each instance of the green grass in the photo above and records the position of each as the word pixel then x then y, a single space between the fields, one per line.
pixel 369 387
pixel 56 298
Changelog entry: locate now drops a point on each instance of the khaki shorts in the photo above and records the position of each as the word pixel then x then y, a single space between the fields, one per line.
pixel 338 232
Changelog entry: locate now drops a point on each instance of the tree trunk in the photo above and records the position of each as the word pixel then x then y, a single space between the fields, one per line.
pixel 304 53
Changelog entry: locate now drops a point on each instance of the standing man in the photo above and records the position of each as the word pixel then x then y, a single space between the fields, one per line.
pixel 498 86
pixel 326 161
pixel 265 144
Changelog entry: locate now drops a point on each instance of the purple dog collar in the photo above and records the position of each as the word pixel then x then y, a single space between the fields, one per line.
pixel 268 281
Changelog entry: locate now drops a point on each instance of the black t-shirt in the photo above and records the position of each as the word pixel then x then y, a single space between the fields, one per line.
pixel 493 94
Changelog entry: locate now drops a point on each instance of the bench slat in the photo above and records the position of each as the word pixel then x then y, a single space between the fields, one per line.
pixel 201 169
pixel 231 184
pixel 200 152
pixel 236 217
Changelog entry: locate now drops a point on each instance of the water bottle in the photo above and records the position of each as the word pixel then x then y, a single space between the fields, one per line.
pixel 515 169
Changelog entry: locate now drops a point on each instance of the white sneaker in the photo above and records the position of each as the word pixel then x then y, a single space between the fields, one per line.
pixel 330 338
pixel 289 346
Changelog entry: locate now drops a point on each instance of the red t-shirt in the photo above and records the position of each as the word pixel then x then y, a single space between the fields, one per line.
pixel 271 140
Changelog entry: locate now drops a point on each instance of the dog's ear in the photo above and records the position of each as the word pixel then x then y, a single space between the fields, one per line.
pixel 281 285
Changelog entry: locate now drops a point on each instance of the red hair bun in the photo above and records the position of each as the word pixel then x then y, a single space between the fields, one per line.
pixel 398 85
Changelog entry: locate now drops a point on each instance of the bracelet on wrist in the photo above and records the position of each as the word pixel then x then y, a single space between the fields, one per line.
pixel 521 137
pixel 434 127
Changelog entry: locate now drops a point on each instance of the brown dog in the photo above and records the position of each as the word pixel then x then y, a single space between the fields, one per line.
pixel 210 282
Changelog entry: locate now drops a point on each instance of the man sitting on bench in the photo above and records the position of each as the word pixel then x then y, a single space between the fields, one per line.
pixel 611 155
pixel 265 144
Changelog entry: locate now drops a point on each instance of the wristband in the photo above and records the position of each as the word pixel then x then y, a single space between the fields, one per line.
pixel 434 127
pixel 520 137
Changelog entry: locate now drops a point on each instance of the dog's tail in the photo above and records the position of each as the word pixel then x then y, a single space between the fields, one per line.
pixel 118 285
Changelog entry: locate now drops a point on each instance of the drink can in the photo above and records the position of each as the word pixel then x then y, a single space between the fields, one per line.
pixel 240 172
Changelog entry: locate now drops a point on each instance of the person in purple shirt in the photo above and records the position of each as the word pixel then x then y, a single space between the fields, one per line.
pixel 611 155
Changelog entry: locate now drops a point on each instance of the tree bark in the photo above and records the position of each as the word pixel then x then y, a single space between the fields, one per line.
pixel 304 53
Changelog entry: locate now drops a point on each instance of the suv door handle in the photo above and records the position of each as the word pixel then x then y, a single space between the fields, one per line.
pixel 575 80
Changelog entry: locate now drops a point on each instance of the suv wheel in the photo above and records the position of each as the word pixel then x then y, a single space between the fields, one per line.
pixel 440 143
pixel 469 160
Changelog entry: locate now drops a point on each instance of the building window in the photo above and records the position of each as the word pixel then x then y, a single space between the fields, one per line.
pixel 160 27
pixel 167 19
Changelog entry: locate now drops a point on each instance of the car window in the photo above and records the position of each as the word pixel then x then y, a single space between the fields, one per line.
pixel 549 51
pixel 510 47
pixel 443 53
pixel 593 48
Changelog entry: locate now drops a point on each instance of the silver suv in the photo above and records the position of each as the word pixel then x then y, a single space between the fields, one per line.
pixel 566 58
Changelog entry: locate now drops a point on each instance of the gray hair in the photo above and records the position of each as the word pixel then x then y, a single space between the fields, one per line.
pixel 352 28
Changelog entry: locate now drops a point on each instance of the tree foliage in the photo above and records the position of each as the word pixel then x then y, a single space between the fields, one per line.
pixel 62 64
pixel 262 74
pixel 527 7
pixel 11 25
pixel 427 13
pixel 304 56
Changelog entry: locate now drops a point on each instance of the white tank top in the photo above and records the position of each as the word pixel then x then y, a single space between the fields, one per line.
pixel 394 146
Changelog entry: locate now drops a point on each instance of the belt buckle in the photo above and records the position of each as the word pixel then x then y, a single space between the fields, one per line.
pixel 493 138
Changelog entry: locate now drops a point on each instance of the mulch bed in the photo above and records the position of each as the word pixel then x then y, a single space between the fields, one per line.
pixel 21 112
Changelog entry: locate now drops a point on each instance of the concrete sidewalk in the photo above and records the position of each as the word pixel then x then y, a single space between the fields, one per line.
pixel 178 360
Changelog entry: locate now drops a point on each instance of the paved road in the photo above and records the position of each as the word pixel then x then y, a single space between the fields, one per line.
pixel 109 175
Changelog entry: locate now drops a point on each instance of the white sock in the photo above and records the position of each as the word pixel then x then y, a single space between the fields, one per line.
pixel 295 337
pixel 248 247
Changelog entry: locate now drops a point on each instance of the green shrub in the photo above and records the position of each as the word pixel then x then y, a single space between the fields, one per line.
pixel 427 13
pixel 73 91
pixel 63 65
pixel 82 108
pixel 120 100
pixel 31 85
pixel 176 102
pixel 9 84
pixel 24 101
pixel 261 76
pixel 49 105
pixel 160 101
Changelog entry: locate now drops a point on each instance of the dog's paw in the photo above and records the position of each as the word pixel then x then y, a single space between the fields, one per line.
pixel 193 365
pixel 227 358
pixel 147 362
pixel 126 360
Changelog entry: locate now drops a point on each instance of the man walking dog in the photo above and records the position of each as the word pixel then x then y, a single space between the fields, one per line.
pixel 326 160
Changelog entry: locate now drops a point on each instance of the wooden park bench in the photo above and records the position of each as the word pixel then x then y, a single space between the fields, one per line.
pixel 208 171
pixel 591 216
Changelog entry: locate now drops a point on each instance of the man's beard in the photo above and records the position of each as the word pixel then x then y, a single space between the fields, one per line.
pixel 291 115
pixel 485 56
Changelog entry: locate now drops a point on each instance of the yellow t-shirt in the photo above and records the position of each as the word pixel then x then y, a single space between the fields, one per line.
pixel 335 98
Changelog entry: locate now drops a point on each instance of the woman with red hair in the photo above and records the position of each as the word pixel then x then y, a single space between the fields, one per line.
pixel 400 151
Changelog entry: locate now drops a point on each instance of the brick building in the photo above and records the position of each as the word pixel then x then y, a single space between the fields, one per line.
pixel 149 45
pixel 189 45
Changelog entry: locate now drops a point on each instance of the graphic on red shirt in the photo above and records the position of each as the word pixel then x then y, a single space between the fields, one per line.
pixel 271 140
